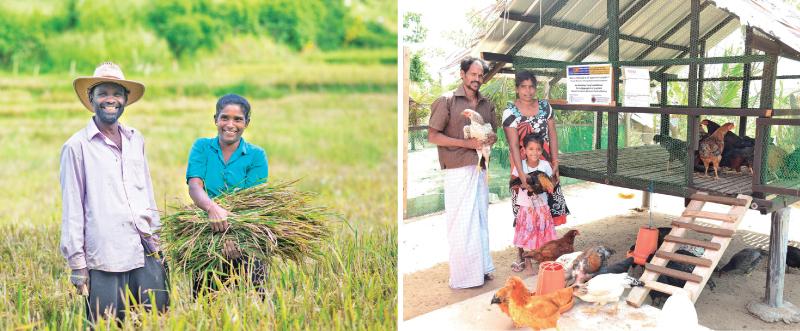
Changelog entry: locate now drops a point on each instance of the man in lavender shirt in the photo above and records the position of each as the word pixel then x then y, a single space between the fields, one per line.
pixel 110 219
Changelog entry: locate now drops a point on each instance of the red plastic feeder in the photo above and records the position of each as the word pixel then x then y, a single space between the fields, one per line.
pixel 646 244
pixel 550 277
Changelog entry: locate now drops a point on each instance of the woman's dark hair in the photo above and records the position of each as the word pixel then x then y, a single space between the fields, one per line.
pixel 469 60
pixel 533 137
pixel 524 75
pixel 233 99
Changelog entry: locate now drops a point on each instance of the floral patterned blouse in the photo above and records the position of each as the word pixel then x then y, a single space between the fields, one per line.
pixel 513 118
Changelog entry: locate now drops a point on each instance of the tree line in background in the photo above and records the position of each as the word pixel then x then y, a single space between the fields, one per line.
pixel 76 33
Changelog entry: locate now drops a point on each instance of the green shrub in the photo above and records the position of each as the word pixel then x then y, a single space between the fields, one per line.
pixel 136 50
pixel 20 38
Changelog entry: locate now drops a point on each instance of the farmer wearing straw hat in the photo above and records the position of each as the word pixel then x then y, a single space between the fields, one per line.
pixel 224 164
pixel 109 215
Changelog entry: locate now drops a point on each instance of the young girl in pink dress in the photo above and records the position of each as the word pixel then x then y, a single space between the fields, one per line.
pixel 534 224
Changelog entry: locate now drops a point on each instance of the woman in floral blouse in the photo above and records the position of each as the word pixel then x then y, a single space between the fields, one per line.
pixel 529 115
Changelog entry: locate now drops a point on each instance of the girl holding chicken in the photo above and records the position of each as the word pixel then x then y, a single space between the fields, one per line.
pixel 534 224
pixel 524 116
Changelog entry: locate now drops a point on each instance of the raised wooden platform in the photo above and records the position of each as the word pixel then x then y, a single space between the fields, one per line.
pixel 638 166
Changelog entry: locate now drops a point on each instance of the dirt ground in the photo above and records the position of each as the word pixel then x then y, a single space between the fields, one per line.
pixel 722 308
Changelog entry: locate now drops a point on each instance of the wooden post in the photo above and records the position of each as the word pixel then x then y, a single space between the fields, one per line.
pixel 664 117
pixel 597 137
pixel 406 83
pixel 763 133
pixel 645 199
pixel 693 122
pixel 778 239
pixel 748 50
pixel 613 57
pixel 701 73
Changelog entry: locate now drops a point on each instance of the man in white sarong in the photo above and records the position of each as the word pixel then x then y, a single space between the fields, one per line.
pixel 466 192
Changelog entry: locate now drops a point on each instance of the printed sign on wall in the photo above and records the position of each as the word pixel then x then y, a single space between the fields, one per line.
pixel 589 84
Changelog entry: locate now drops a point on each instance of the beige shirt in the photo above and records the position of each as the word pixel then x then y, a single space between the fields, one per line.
pixel 446 118
pixel 107 200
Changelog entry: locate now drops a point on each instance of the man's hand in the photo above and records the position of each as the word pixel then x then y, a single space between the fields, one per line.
pixel 524 179
pixel 218 216
pixel 80 278
pixel 472 144
pixel 491 138
pixel 230 250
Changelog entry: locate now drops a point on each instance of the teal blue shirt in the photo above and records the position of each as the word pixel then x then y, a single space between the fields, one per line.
pixel 247 166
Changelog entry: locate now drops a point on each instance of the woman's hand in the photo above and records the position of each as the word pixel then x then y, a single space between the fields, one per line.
pixel 218 217
pixel 556 175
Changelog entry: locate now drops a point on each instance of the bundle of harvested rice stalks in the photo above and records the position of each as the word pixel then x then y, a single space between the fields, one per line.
pixel 271 220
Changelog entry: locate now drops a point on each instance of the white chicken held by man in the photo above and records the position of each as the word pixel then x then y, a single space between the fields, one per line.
pixel 605 288
pixel 480 130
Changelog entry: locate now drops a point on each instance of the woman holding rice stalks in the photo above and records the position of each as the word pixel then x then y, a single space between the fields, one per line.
pixel 224 164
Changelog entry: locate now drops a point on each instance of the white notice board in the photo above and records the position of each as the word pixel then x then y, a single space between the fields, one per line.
pixel 637 87
pixel 589 84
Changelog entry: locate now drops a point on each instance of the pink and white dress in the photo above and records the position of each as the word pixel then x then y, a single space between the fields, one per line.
pixel 534 225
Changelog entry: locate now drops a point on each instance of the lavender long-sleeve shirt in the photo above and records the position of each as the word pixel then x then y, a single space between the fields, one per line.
pixel 107 199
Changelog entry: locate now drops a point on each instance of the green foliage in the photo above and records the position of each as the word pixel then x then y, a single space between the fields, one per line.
pixel 414 31
pixel 369 35
pixel 186 27
pixel 417 72
pixel 20 39
pixel 133 50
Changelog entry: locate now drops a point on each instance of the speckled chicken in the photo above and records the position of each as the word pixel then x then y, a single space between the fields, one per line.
pixel 587 265
pixel 480 130
pixel 534 311
pixel 710 151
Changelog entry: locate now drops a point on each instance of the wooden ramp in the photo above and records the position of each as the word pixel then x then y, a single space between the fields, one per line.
pixel 721 235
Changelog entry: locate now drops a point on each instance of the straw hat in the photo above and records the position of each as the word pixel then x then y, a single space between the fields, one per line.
pixel 106 72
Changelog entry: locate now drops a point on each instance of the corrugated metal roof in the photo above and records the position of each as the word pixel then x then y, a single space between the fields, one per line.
pixel 652 21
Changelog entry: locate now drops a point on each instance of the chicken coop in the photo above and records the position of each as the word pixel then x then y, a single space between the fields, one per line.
pixel 693 91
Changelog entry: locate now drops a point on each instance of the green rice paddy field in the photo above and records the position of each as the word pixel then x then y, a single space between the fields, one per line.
pixel 332 125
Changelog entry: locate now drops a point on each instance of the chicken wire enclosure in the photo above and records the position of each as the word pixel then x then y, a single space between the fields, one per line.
pixel 780 166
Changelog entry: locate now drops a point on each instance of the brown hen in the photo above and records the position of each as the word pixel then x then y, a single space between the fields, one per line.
pixel 710 151
pixel 554 248
pixel 534 311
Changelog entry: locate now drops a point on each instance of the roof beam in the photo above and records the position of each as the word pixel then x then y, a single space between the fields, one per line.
pixel 671 32
pixel 705 37
pixel 589 29
pixel 523 40
pixel 547 63
pixel 773 47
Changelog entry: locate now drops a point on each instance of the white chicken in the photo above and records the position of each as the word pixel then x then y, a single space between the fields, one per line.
pixel 605 288
pixel 678 313
pixel 480 130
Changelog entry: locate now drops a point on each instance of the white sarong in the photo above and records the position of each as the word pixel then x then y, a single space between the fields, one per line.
pixel 466 204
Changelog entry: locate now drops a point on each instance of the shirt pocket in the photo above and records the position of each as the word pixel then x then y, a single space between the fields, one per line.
pixel 136 171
